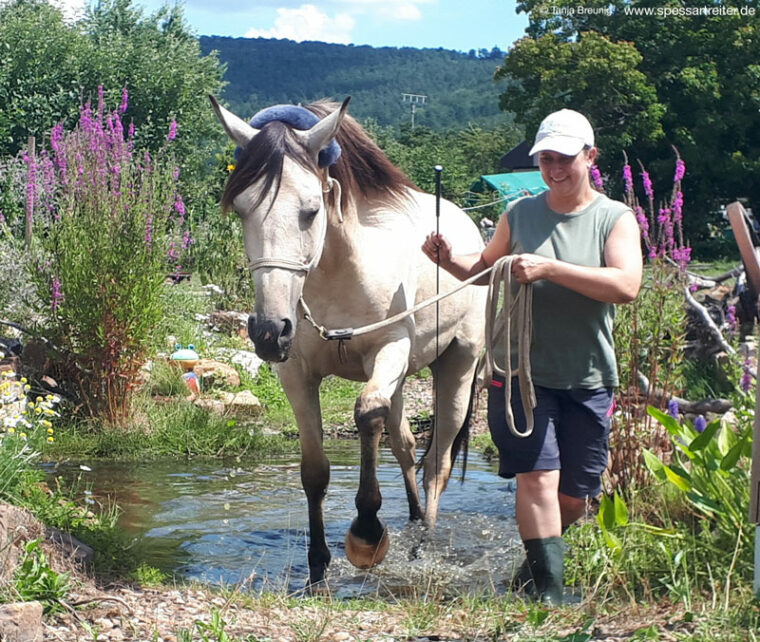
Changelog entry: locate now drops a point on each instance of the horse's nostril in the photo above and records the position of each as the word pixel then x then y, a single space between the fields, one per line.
pixel 287 328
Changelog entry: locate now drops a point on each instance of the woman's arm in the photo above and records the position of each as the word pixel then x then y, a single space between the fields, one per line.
pixel 464 266
pixel 618 282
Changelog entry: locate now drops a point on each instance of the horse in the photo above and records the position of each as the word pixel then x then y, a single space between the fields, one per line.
pixel 333 233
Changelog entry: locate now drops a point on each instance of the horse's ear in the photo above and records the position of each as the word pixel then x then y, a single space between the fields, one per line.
pixel 319 136
pixel 237 129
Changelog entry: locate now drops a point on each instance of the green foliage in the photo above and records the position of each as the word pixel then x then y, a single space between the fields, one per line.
pixel 35 580
pixel 459 87
pixel 693 69
pixel 110 231
pixel 592 75
pixel 711 469
pixel 464 155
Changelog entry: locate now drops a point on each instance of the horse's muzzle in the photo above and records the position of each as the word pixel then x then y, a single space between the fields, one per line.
pixel 271 339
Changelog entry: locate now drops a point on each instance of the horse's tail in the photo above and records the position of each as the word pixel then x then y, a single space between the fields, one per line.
pixel 462 440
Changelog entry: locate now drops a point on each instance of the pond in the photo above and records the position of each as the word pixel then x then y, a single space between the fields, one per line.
pixel 246 524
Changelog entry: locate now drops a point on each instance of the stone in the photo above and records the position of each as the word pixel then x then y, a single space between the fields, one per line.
pixel 243 404
pixel 214 373
pixel 249 361
pixel 71 546
pixel 211 405
pixel 21 622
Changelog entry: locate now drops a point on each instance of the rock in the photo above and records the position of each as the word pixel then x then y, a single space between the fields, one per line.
pixel 21 622
pixel 214 373
pixel 71 546
pixel 211 405
pixel 229 322
pixel 249 361
pixel 242 404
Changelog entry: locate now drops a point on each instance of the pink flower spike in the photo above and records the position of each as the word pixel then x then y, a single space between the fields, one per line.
pixel 172 131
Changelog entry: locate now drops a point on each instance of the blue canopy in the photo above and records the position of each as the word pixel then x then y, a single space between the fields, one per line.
pixel 516 184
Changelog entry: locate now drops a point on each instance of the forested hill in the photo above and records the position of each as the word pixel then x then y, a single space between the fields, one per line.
pixel 459 87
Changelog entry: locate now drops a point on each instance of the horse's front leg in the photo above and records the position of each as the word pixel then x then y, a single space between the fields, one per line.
pixel 367 539
pixel 303 393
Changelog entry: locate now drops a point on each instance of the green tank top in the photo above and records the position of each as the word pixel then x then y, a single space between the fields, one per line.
pixel 572 345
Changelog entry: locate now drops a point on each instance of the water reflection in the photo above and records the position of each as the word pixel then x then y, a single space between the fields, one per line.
pixel 247 525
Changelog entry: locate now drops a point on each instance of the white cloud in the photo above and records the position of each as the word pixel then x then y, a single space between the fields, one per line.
pixel 307 22
pixel 72 10
pixel 405 10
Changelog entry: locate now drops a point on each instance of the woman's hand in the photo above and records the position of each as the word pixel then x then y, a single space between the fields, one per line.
pixel 528 268
pixel 437 248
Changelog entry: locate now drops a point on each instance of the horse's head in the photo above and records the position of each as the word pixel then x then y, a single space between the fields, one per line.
pixel 278 190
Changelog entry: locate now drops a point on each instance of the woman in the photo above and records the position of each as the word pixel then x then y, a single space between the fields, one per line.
pixel 581 251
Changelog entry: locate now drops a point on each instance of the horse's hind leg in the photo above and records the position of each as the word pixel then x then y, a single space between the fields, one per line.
pixel 403 446
pixel 453 376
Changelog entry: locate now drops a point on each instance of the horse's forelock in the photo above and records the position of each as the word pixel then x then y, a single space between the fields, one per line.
pixel 262 159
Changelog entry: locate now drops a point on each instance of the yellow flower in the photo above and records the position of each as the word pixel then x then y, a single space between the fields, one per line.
pixel 230 167
pixel 38 399
pixel 47 425
pixel 11 430
pixel 22 435
pixel 50 439
pixel 48 412
pixel 38 411
pixel 27 387
pixel 24 380
pixel 30 404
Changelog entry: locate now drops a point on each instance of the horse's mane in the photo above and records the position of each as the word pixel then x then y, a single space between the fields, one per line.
pixel 362 169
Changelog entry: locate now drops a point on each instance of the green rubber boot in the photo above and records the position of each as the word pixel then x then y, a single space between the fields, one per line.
pixel 546 562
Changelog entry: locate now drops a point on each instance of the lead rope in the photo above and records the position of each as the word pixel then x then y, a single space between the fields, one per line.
pixel 500 328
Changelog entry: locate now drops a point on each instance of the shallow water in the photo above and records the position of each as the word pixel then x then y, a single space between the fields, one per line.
pixel 247 524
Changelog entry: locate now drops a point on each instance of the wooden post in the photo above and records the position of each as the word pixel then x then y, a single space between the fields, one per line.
pixel 29 201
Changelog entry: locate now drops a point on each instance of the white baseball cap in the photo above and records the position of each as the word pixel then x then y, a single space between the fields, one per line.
pixel 564 131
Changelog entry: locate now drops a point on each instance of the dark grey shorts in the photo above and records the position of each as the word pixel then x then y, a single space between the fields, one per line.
pixel 570 434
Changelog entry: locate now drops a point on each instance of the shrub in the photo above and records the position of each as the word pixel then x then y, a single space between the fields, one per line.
pixel 109 227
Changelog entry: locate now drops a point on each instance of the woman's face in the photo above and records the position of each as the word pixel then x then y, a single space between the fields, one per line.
pixel 566 176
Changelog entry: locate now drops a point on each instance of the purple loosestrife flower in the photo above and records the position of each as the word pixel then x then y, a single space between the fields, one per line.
pixel 179 207
pixel 700 423
pixel 175 174
pixel 2 218
pixel 647 182
pixel 680 171
pixel 693 288
pixel 596 177
pixel 628 178
pixel 149 233
pixel 678 207
pixel 746 381
pixel 124 100
pixel 187 241
pixel 56 296
pixel 673 408
pixel 731 318
pixel 172 131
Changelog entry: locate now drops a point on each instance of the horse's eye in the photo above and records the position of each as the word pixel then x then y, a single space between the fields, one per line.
pixel 309 214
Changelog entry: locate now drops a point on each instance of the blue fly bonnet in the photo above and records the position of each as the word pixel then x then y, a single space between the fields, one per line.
pixel 298 118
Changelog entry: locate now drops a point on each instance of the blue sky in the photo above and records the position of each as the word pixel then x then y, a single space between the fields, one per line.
pixel 452 24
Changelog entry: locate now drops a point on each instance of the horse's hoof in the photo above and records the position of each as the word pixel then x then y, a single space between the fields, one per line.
pixel 364 555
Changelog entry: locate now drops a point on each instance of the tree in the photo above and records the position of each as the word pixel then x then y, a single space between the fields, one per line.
pixel 701 62
pixel 592 75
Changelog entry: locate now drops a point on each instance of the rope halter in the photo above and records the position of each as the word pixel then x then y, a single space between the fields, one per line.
pixel 300 266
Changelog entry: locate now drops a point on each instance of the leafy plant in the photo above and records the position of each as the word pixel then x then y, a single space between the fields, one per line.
pixel 711 470
pixel 650 331
pixel 36 580
pixel 111 226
